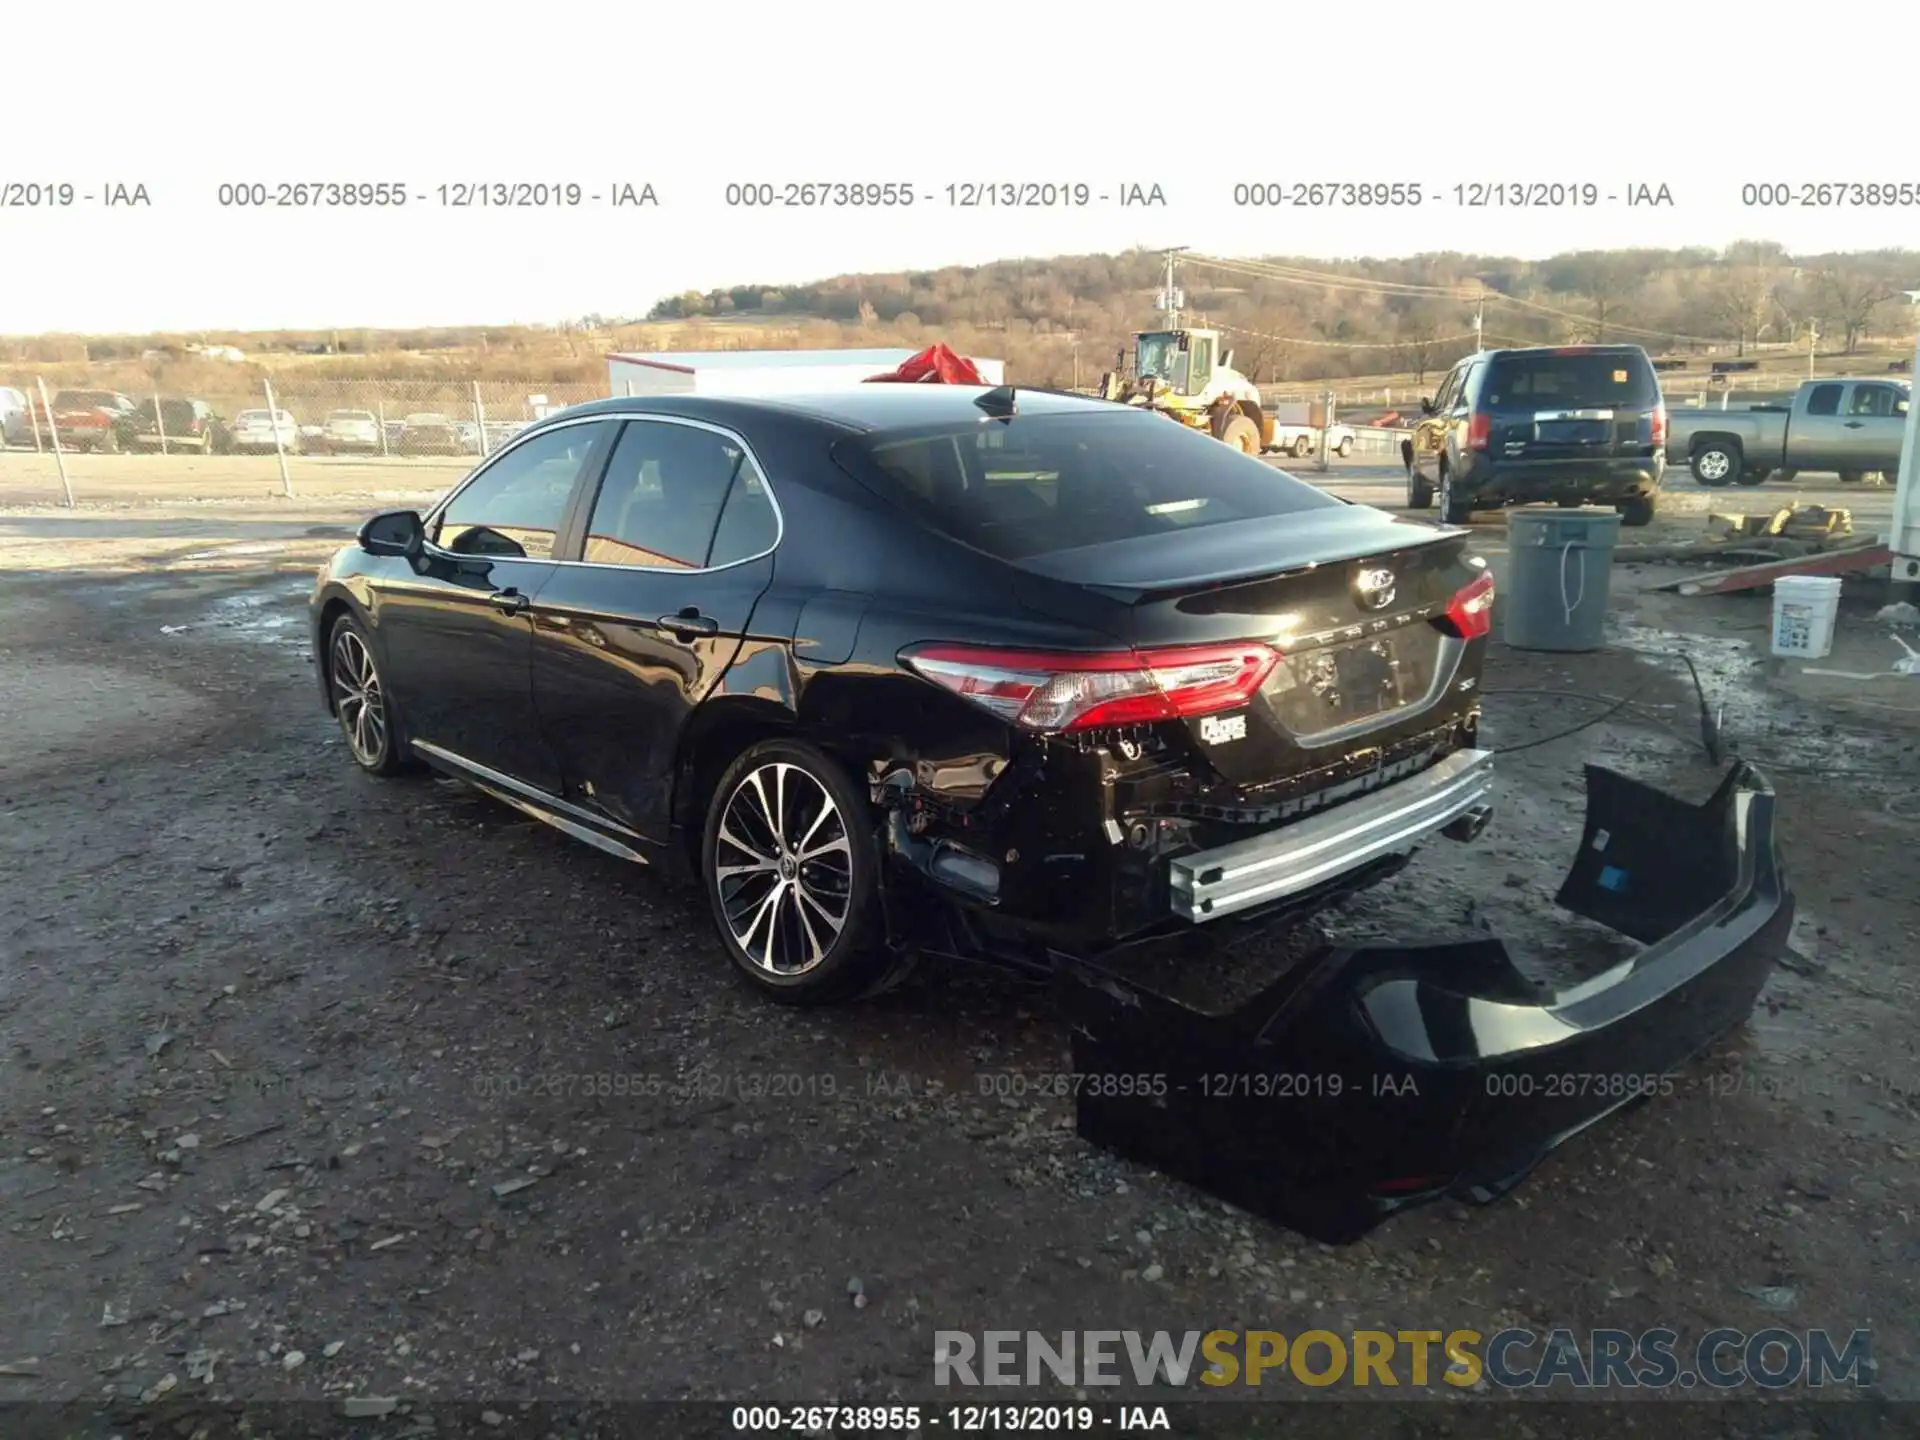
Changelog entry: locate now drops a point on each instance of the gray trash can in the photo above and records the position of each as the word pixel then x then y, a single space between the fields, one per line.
pixel 1560 570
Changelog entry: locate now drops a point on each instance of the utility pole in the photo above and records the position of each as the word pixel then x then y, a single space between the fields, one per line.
pixel 1171 297
pixel 1813 339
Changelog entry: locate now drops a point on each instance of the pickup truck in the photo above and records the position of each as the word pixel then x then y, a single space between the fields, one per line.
pixel 1851 427
pixel 1302 441
pixel 92 419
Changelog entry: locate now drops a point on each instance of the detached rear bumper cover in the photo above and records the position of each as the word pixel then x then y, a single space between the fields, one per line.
pixel 1309 852
pixel 1376 1077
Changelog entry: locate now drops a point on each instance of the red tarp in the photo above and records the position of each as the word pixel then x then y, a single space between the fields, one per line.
pixel 936 365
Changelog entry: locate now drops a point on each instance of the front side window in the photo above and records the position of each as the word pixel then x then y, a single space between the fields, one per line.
pixel 678 497
pixel 514 507
pixel 1874 400
pixel 1200 368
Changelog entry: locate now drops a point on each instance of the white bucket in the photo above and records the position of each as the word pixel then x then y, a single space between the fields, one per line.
pixel 1804 610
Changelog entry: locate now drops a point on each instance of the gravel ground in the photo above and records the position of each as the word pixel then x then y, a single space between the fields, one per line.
pixel 316 1086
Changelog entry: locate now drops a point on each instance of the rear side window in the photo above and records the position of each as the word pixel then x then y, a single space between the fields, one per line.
pixel 1551 379
pixel 664 496
pixel 1037 485
pixel 1825 400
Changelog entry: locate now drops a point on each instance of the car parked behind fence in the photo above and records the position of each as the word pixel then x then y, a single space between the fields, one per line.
pixel 351 432
pixel 264 431
pixel 174 423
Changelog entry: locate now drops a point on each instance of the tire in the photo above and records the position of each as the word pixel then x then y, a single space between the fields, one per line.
pixel 1786 477
pixel 1453 511
pixel 1852 477
pixel 1715 464
pixel 1755 477
pixel 1302 447
pixel 1419 492
pixel 1570 504
pixel 368 721
pixel 1242 434
pixel 1344 448
pixel 1637 512
pixel 803 932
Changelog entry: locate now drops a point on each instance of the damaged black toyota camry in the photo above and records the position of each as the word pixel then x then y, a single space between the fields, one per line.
pixel 1001 673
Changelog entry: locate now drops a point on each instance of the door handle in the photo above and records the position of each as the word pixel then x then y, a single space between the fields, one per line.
pixel 1854 424
pixel 511 601
pixel 690 622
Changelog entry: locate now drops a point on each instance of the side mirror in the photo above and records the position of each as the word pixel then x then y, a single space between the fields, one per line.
pixel 397 532
pixel 1426 405
pixel 1226 361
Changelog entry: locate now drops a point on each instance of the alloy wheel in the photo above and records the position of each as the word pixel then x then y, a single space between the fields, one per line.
pixel 1714 466
pixel 358 699
pixel 783 864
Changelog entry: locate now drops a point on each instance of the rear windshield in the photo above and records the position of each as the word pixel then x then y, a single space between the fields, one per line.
pixel 1543 378
pixel 171 409
pixel 104 398
pixel 1036 485
pixel 357 416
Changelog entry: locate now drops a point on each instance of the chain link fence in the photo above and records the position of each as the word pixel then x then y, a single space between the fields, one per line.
pixel 79 443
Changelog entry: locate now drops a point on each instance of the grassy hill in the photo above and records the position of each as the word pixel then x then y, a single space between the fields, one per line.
pixel 1061 320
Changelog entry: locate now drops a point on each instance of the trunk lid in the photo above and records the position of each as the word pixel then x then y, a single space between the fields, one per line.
pixel 1353 600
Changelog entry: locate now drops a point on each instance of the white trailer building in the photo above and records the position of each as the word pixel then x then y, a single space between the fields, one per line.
pixel 761 372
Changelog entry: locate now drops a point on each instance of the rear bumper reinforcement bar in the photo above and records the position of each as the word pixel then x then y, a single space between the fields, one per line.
pixel 1306 853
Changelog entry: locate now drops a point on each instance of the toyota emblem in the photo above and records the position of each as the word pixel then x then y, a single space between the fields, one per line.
pixel 1375 589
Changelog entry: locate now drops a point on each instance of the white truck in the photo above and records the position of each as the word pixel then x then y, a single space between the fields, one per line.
pixel 1303 441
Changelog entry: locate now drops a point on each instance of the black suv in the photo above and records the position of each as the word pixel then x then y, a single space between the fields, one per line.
pixel 1580 425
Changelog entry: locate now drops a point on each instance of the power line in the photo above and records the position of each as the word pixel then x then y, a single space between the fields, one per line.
pixel 1347 344
pixel 1326 280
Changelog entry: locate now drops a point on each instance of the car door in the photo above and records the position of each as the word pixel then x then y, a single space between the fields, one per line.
pixel 455 628
pixel 1815 437
pixel 1874 425
pixel 649 608
pixel 1457 414
pixel 1430 431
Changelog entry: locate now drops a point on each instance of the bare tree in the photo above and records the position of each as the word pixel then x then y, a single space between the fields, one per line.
pixel 1420 338
pixel 1609 284
pixel 1741 299
pixel 1847 297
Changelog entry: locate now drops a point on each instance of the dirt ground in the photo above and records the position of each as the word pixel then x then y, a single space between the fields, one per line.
pixel 315 1086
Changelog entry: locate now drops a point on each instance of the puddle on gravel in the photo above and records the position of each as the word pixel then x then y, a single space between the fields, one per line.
pixel 270 616
pixel 1756 719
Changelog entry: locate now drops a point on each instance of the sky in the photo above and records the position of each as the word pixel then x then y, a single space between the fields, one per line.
pixel 1120 97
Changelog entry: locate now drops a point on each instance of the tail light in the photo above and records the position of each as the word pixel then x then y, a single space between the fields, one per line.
pixel 1470 612
pixel 1409 1185
pixel 1659 427
pixel 1062 692
pixel 1479 430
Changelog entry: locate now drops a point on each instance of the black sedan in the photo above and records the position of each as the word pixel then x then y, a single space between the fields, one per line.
pixel 1037 678
pixel 1068 670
